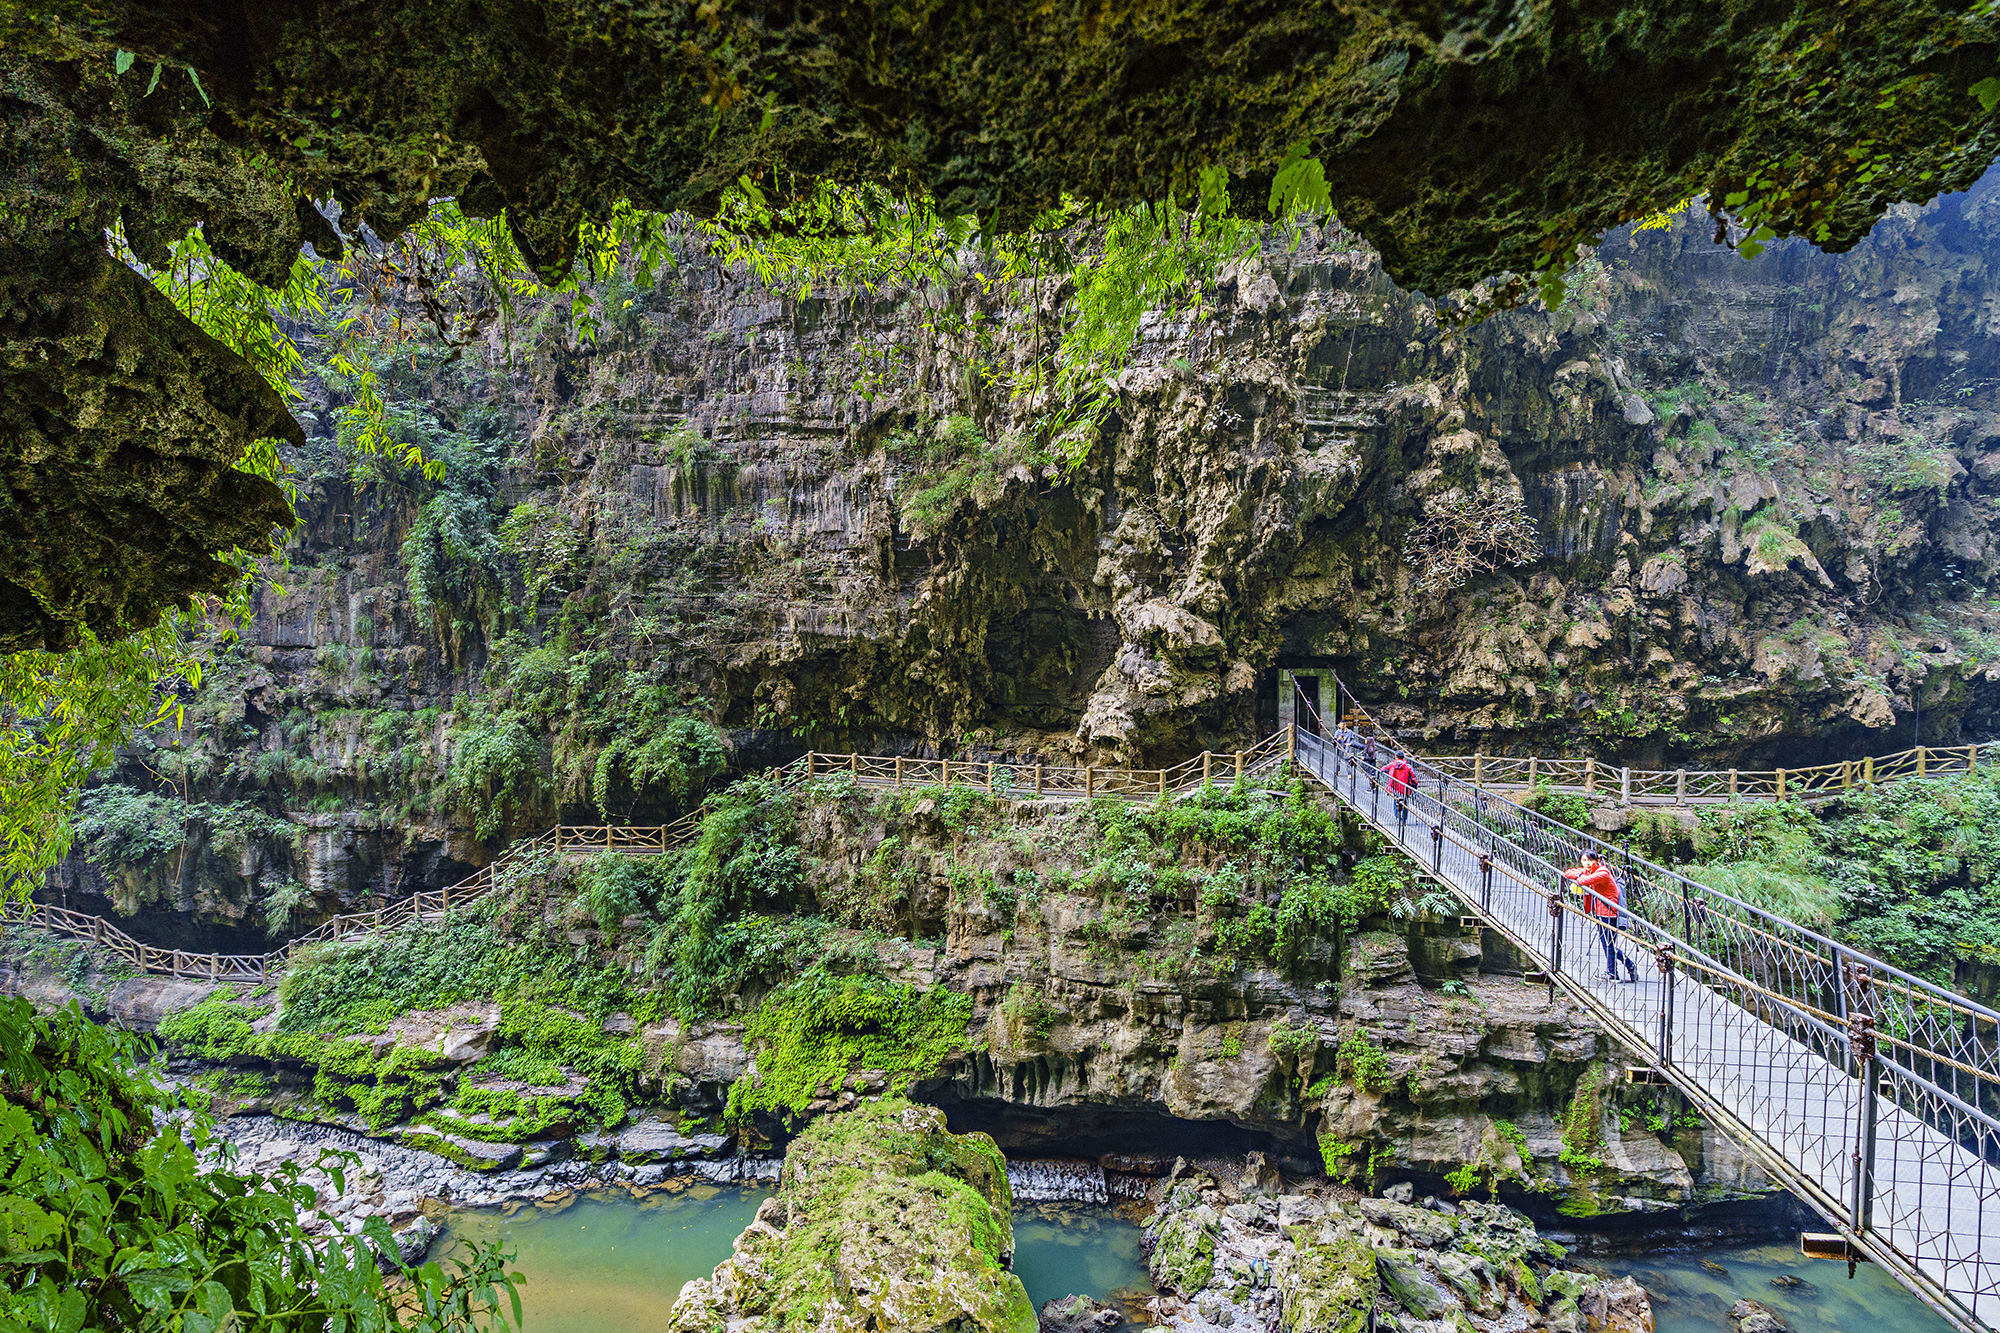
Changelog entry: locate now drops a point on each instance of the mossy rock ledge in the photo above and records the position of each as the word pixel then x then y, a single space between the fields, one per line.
pixel 883 1219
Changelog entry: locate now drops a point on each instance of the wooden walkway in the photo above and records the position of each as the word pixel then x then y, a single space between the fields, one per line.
pixel 1705 786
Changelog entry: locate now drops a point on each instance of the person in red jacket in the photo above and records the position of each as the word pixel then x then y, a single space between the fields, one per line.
pixel 1603 899
pixel 1402 781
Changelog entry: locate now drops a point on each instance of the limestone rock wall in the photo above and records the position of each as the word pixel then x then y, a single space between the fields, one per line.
pixel 1761 497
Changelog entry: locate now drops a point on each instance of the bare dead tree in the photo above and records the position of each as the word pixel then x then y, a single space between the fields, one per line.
pixel 1461 535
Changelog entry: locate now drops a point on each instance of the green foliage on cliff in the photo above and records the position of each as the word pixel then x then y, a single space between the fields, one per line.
pixel 1909 871
pixel 811 1034
pixel 113 1221
pixel 617 730
pixel 215 1030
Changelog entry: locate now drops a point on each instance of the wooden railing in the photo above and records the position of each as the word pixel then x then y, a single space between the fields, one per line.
pixel 1049 781
pixel 1685 786
pixel 563 840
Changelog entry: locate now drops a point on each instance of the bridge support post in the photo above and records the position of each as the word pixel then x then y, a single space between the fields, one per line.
pixel 1665 955
pixel 1555 937
pixel 1292 742
pixel 1437 846
pixel 1861 1037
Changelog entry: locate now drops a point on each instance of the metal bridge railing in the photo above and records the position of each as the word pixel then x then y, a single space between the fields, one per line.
pixel 1872 1093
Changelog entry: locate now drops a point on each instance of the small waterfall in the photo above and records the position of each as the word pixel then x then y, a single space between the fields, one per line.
pixel 1057 1180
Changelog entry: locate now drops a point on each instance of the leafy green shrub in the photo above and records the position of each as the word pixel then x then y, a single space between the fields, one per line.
pixel 1363 1063
pixel 496 773
pixel 113 1221
pixel 612 886
pixel 1562 806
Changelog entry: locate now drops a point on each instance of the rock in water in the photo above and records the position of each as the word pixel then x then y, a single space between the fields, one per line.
pixel 1078 1314
pixel 883 1220
pixel 1751 1317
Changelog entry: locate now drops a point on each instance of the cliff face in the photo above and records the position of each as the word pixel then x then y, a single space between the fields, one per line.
pixel 1752 504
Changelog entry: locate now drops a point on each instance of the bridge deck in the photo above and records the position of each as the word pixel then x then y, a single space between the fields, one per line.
pixel 1799 1112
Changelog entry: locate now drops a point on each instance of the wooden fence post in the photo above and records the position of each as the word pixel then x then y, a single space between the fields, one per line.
pixel 854 764
pixel 1292 742
pixel 899 770
pixel 1781 784
pixel 1478 774
pixel 945 770
pixel 1532 761
pixel 1625 785
pixel 989 777
pixel 1207 767
pixel 1921 771
pixel 1846 774
pixel 1163 784
pixel 1680 786
pixel 1590 775
pixel 1972 758
pixel 1089 783
pixel 1868 770
pixel 1239 765
pixel 1038 778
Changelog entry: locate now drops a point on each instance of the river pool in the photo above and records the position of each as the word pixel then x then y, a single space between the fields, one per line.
pixel 613 1264
pixel 1691 1298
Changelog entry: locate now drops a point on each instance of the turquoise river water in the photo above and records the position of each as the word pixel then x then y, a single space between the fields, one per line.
pixel 613 1264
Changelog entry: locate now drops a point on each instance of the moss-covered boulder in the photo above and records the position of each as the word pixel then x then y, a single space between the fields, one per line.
pixel 883 1220
pixel 1329 1285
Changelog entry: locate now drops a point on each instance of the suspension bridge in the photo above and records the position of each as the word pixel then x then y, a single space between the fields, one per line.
pixel 1870 1093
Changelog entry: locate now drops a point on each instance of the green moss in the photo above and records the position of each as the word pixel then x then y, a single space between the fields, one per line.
pixel 215 1029
pixel 1336 1285
pixel 890 1220
pixel 816 1031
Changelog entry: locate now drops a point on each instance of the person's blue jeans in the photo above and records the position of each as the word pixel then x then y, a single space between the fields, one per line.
pixel 1613 955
